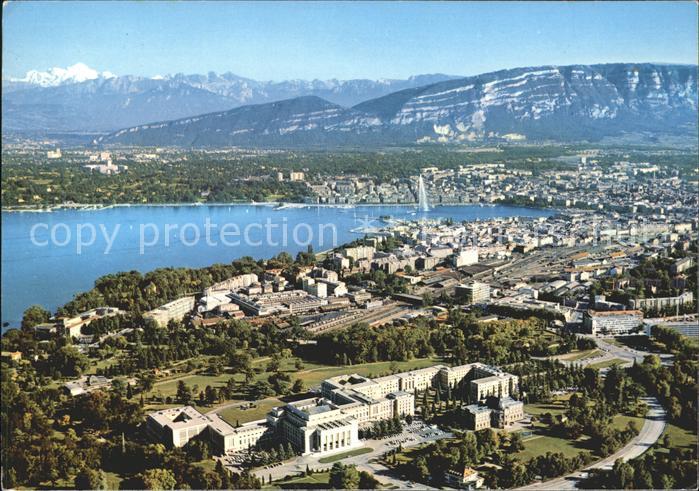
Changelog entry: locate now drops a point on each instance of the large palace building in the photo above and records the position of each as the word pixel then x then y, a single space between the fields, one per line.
pixel 330 420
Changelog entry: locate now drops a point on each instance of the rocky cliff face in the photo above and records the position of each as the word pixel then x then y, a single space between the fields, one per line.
pixel 546 102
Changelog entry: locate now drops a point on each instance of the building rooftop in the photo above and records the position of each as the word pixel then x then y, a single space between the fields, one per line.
pixel 613 313
pixel 485 380
pixel 318 409
pixel 475 409
pixel 179 417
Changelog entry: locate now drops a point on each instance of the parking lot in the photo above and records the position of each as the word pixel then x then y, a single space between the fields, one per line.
pixel 413 434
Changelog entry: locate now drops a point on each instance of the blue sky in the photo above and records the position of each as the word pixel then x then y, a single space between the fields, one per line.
pixel 276 41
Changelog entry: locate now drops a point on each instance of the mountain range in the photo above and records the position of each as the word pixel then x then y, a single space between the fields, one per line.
pixel 81 99
pixel 561 103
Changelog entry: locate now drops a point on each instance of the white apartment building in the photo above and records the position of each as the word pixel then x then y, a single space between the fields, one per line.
pixel 359 252
pixel 175 310
pixel 316 288
pixel 234 283
pixel 615 322
pixel 661 303
pixel 475 292
pixel 465 257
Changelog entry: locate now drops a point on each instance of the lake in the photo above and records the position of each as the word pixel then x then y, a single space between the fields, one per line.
pixel 49 257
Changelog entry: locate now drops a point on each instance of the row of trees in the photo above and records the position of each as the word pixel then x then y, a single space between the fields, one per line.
pixel 383 428
pixel 137 293
pixel 429 463
pixel 270 456
pixel 347 477
pixel 674 385
pixel 48 438
pixel 593 418
pixel 667 469
pixel 363 344
pixel 190 178
pixel 552 464
pixel 462 340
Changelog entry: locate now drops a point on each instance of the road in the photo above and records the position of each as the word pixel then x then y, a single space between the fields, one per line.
pixel 653 428
pixel 608 351
pixel 627 354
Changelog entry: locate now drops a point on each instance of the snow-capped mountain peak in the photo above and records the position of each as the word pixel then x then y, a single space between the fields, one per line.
pixel 55 76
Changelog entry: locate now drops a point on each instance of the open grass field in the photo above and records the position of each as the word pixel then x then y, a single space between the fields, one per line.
pixel 102 364
pixel 169 388
pixel 345 455
pixel 312 374
pixel 540 444
pixel 314 481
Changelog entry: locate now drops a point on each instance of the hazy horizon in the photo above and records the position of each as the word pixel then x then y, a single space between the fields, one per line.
pixel 270 41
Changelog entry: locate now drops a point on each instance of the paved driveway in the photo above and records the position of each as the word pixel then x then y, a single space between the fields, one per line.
pixel 412 435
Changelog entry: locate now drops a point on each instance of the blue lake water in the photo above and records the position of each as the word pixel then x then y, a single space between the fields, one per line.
pixel 49 257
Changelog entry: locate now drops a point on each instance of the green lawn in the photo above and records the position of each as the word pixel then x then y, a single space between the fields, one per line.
pixel 540 444
pixel 312 375
pixel 679 437
pixel 317 375
pixel 579 355
pixel 345 455
pixel 207 464
pixel 620 421
pixel 102 364
pixel 317 480
pixel 606 363
pixel 555 407
pixel 169 388
pixel 262 407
